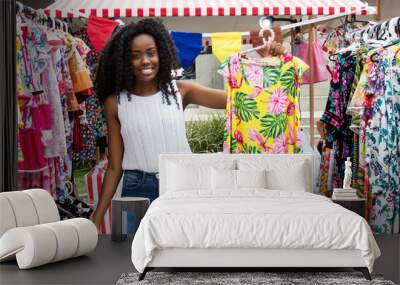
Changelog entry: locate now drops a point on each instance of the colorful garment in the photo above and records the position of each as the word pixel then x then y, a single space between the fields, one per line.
pixel 356 106
pixel 358 172
pixel 319 60
pixel 262 111
pixel 51 75
pixel 335 118
pixel 383 142
pixel 324 172
pixel 89 105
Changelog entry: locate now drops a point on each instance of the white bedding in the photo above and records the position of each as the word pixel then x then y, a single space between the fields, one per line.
pixel 252 218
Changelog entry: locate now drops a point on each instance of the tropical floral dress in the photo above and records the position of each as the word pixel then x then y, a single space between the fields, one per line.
pixel 383 141
pixel 262 110
pixel 335 118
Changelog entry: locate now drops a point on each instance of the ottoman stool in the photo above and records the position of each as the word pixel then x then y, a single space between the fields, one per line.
pixel 137 205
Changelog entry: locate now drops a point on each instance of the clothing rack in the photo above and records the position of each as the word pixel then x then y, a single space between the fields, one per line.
pixel 311 23
pixel 380 31
pixel 41 17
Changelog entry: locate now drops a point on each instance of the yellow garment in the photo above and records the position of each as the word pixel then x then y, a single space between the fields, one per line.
pixel 225 44
pixel 262 109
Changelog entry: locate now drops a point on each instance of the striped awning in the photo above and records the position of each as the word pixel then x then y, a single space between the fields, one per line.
pixel 189 8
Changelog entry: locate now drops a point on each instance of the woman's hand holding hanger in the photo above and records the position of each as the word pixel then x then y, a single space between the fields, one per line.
pixel 272 41
pixel 267 42
pixel 274 49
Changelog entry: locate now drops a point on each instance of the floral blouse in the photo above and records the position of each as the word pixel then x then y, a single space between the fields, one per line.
pixel 383 141
pixel 262 111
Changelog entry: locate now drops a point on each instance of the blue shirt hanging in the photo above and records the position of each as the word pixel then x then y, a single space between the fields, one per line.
pixel 188 45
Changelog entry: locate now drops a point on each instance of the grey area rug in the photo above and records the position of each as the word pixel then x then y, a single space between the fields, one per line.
pixel 243 278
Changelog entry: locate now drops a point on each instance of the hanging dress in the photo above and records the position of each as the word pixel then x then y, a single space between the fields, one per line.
pixel 262 111
pixel 383 142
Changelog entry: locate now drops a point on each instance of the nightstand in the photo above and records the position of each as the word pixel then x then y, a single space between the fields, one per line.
pixel 137 205
pixel 355 205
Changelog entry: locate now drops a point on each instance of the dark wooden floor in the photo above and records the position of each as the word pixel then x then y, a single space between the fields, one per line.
pixel 110 260
pixel 103 266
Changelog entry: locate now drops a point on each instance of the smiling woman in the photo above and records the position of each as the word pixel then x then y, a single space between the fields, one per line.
pixel 143 106
pixel 145 60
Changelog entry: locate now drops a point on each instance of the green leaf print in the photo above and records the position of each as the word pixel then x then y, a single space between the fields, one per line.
pixel 245 109
pixel 233 145
pixel 224 65
pixel 287 82
pixel 243 73
pixel 250 149
pixel 273 126
pixel 271 76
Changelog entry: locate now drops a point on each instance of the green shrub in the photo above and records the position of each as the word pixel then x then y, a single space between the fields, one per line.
pixel 206 135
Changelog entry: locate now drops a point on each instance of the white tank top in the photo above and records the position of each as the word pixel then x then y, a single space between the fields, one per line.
pixel 148 128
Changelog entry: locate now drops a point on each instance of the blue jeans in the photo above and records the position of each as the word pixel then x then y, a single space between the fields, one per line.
pixel 139 183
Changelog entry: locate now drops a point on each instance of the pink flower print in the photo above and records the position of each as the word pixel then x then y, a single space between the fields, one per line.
pixel 256 91
pixel 349 76
pixel 238 136
pixel 230 117
pixel 335 76
pixel 291 134
pixel 287 58
pixel 234 65
pixel 335 95
pixel 254 75
pixel 228 126
pixel 298 140
pixel 277 102
pixel 256 137
pixel 225 72
pixel 280 144
pixel 290 109
pixel 225 148
pixel 233 82
pixel 296 80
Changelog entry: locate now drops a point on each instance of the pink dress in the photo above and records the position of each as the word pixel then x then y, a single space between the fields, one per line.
pixel 302 52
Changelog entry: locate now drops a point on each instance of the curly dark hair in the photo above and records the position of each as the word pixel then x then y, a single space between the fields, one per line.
pixel 114 71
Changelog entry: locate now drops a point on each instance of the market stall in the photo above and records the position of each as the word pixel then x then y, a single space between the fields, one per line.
pixel 318 12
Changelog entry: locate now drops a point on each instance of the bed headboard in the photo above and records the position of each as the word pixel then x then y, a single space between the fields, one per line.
pixel 283 162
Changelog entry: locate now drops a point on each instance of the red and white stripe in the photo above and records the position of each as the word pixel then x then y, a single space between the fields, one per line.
pixel 94 180
pixel 197 8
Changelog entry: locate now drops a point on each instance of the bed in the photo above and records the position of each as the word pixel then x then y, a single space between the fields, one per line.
pixel 246 211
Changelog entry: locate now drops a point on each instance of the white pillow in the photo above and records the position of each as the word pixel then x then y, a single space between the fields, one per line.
pixel 185 174
pixel 285 172
pixel 227 179
pixel 251 178
pixel 182 177
pixel 293 180
pixel 223 179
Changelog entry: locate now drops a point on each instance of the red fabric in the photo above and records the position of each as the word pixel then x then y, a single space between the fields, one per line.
pixel 99 30
pixel 82 96
pixel 77 140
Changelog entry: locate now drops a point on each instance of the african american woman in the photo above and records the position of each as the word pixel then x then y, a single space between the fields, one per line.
pixel 143 106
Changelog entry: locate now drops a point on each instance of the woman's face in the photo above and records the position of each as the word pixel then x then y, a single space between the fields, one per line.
pixel 145 60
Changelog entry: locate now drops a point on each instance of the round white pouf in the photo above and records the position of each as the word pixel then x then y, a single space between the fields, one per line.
pixel 87 235
pixel 23 208
pixel 46 208
pixel 33 246
pixel 67 240
pixel 7 218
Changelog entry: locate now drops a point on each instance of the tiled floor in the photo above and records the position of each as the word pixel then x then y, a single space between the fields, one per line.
pixel 110 260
